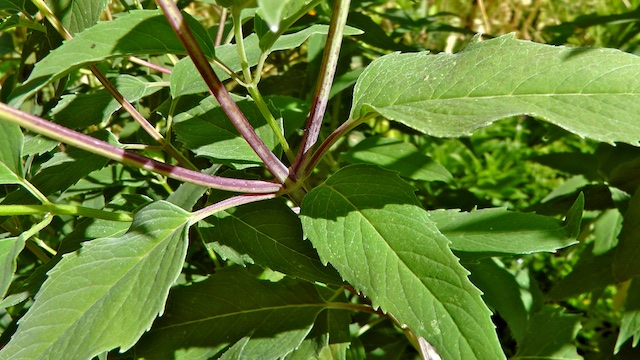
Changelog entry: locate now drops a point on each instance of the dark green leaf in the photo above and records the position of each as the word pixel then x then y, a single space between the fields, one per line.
pixel 121 281
pixel 211 315
pixel 399 156
pixel 550 335
pixel 489 232
pixel 82 110
pixel 11 140
pixel 630 326
pixel 269 234
pixel 369 225
pixel 137 33
pixel 208 132
pixel 78 15
pixel 606 229
pixel 626 264
pixel 590 92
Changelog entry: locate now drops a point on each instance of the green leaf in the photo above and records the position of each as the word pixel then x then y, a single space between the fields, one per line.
pixel 231 305
pixel 625 263
pixel 269 234
pixel 23 6
pixel 78 15
pixel 61 171
pixel 606 229
pixel 399 156
pixel 110 283
pixel 369 225
pixel 185 79
pixel 550 335
pixel 98 107
pixel 271 11
pixel 630 326
pixel 590 92
pixel 207 131
pixel 11 140
pixel 140 32
pixel 491 232
pixel 10 248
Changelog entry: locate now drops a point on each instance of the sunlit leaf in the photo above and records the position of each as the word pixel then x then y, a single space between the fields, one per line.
pixel 591 92
pixel 369 225
pixel 11 140
pixel 9 250
pixel 630 326
pixel 121 281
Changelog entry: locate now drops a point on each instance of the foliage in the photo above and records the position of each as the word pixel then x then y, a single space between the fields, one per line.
pixel 309 179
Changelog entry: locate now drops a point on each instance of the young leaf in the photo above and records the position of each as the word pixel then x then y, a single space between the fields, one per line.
pixel 271 12
pixel 550 335
pixel 590 92
pixel 110 283
pixel 269 234
pixel 11 140
pixel 231 305
pixel 98 107
pixel 369 225
pixel 490 232
pixel 137 33
pixel 399 156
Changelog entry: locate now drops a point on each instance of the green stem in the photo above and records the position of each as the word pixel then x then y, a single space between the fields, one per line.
pixel 242 54
pixel 34 191
pixel 57 209
pixel 266 113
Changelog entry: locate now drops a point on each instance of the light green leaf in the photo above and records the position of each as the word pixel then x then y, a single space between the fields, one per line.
pixel 625 263
pixel 550 335
pixel 106 294
pixel 591 92
pixel 606 229
pixel 490 232
pixel 399 156
pixel 232 304
pixel 207 131
pixel 82 110
pixel 630 326
pixel 140 32
pixel 11 140
pixel 369 225
pixel 185 79
pixel 9 250
pixel 78 15
pixel 269 234
pixel 271 12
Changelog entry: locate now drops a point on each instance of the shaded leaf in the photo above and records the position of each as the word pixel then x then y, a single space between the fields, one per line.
pixel 550 335
pixel 207 131
pixel 10 248
pixel 399 156
pixel 140 32
pixel 630 326
pixel 185 79
pixel 625 263
pixel 230 305
pixel 369 225
pixel 106 283
pixel 606 229
pixel 78 15
pixel 98 107
pixel 590 92
pixel 11 140
pixel 489 232
pixel 269 234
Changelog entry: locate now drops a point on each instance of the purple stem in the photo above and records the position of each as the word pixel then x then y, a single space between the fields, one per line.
pixel 175 19
pixel 85 142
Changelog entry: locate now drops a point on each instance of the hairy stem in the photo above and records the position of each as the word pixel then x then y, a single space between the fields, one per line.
pixel 176 20
pixel 87 143
pixel 323 87
pixel 228 204
pixel 58 209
